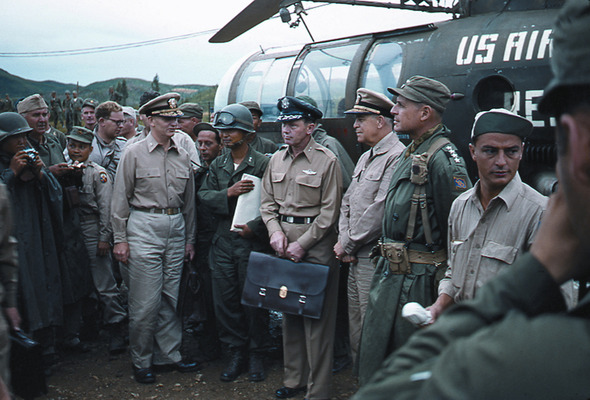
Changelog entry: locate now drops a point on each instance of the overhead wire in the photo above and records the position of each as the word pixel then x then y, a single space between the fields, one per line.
pixel 117 47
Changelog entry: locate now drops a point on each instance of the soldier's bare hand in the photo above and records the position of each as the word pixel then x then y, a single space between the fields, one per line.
pixel 189 252
pixel 443 302
pixel 103 248
pixel 18 162
pixel 339 251
pixel 295 252
pixel 245 231
pixel 278 241
pixel 121 252
pixel 60 169
pixel 556 244
pixel 13 317
pixel 241 187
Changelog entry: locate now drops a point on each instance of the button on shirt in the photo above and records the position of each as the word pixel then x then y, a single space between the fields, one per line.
pixel 151 177
pixel 309 185
pixel 363 205
pixel 481 243
pixel 95 197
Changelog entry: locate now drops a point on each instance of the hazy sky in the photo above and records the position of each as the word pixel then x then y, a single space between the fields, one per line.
pixel 40 26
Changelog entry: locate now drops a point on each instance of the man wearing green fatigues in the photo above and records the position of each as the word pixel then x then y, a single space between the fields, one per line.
pixel 428 177
pixel 515 339
pixel 241 328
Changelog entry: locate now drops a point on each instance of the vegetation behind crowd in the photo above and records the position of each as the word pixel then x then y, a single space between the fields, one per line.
pixel 17 88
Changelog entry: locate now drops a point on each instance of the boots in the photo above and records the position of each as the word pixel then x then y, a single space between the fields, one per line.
pixel 256 368
pixel 236 366
pixel 117 343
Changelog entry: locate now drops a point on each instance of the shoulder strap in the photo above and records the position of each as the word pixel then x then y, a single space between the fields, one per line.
pixel 419 196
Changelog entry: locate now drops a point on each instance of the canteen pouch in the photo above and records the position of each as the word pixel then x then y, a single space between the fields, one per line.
pixel 397 255
pixel 419 170
pixel 71 196
pixel 283 285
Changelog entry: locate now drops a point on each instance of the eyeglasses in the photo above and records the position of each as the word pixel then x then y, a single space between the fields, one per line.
pixel 119 122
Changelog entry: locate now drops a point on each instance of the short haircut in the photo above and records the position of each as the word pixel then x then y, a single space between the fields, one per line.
pixel 104 110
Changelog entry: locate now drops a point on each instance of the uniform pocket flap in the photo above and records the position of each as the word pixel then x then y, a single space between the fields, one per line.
pixel 277 176
pixel 313 181
pixel 147 172
pixel 499 252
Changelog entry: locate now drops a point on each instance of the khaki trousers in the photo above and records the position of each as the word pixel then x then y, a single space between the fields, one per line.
pixel 156 245
pixel 101 268
pixel 360 276
pixel 308 344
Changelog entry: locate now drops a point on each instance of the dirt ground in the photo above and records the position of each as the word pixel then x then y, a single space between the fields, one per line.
pixel 96 375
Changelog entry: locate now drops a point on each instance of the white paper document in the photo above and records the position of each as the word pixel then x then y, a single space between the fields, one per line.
pixel 248 206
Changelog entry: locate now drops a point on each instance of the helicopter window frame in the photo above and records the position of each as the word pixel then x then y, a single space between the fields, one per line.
pixel 372 77
pixel 324 83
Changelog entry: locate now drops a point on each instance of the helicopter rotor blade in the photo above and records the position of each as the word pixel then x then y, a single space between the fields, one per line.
pixel 257 12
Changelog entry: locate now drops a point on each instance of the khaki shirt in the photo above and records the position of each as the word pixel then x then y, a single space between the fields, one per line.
pixel 309 185
pixel 95 198
pixel 150 177
pixel 363 205
pixel 107 155
pixel 482 243
pixel 183 141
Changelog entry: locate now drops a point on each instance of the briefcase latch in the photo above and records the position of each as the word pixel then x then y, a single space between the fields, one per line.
pixel 283 292
pixel 262 292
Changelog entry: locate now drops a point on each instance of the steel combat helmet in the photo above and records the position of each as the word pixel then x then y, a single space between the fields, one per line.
pixel 234 116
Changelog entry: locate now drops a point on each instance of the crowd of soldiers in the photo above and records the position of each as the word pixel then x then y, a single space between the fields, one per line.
pixel 114 220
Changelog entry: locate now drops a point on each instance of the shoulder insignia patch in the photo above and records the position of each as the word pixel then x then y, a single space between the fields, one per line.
pixel 103 177
pixel 460 183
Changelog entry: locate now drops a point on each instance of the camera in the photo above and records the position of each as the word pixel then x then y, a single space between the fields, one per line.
pixel 32 155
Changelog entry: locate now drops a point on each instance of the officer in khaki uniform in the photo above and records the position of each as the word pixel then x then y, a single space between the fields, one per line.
pixel 241 328
pixel 95 211
pixel 412 255
pixel 301 195
pixel 361 214
pixel 153 220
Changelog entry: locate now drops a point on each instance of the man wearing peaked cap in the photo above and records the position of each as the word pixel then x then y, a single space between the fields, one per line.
pixel 500 198
pixel 192 114
pixel 428 177
pixel 153 220
pixel 301 194
pixel 258 143
pixel 166 101
pixel 361 213
pixel 517 329
pixel 331 143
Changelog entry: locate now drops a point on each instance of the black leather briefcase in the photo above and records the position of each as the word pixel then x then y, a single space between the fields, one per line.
pixel 283 285
pixel 26 364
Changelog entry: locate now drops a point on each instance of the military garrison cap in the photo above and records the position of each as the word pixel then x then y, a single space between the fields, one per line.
pixel 252 106
pixel 203 126
pixel 33 102
pixel 570 60
pixel 11 124
pixel 165 105
pixel 90 103
pixel 370 102
pixel 190 110
pixel 421 89
pixel 81 134
pixel 499 120
pixel 292 108
pixel 129 111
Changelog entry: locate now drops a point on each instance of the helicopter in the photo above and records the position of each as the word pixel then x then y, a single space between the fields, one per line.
pixel 491 54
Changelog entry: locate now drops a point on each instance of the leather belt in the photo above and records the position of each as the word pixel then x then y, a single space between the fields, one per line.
pixel 166 211
pixel 297 220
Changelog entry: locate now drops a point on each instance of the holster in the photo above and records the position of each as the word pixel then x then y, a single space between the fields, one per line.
pixel 397 255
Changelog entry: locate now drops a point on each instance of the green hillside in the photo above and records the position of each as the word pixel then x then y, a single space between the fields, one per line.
pixel 18 87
